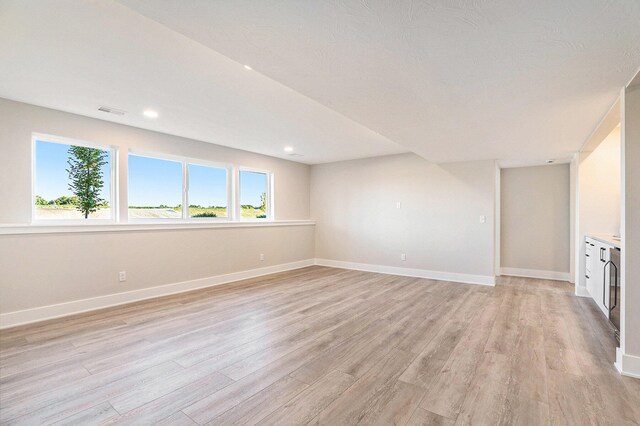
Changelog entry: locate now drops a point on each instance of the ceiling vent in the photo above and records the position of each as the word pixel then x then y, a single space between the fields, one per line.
pixel 294 154
pixel 112 110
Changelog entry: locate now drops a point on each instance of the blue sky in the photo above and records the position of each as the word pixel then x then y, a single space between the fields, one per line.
pixel 52 180
pixel 151 181
pixel 207 186
pixel 252 185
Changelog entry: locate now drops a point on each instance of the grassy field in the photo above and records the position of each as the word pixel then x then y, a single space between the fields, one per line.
pixel 218 211
pixel 70 212
pixel 222 212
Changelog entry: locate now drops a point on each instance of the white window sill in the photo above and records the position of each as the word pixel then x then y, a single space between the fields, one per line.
pixel 16 229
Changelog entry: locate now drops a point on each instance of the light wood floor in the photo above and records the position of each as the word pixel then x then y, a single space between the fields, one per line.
pixel 327 346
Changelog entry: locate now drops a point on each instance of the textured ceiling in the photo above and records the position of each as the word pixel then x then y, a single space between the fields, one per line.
pixel 76 55
pixel 451 80
pixel 448 79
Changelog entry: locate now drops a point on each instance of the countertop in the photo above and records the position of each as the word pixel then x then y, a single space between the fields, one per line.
pixel 605 238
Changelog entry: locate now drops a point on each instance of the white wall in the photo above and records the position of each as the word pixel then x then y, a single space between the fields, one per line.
pixel 44 269
pixel 599 189
pixel 437 226
pixel 18 121
pixel 628 356
pixel 535 221
pixel 48 269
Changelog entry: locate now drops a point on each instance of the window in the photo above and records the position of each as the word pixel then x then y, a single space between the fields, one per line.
pixel 155 188
pixel 254 195
pixel 207 193
pixel 73 180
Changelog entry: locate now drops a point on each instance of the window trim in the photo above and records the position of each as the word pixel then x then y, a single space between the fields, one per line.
pixel 26 228
pixel 270 180
pixel 113 179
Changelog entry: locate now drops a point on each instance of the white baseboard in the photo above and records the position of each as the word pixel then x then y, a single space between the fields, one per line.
pixel 627 365
pixel 582 291
pixel 27 316
pixel 410 272
pixel 536 273
pixel 12 319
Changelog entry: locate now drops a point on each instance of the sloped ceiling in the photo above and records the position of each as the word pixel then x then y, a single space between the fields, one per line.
pixel 451 80
pixel 76 55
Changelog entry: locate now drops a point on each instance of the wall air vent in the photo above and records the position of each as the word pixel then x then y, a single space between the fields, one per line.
pixel 112 110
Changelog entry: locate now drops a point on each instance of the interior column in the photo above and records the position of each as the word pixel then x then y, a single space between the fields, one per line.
pixel 628 355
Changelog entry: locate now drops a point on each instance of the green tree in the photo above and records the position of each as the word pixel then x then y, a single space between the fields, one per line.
pixel 67 201
pixel 263 201
pixel 41 201
pixel 63 200
pixel 85 176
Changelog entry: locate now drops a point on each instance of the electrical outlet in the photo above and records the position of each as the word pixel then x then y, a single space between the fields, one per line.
pixel 483 219
pixel 261 257
pixel 122 276
pixel 403 257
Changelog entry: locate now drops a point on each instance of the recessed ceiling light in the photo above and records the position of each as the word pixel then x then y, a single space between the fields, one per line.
pixel 150 113
pixel 247 67
pixel 288 149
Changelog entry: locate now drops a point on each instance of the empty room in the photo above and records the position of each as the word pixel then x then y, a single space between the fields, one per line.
pixel 292 212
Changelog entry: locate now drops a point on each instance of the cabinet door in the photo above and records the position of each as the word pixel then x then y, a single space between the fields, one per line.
pixel 599 293
pixel 606 281
pixel 589 261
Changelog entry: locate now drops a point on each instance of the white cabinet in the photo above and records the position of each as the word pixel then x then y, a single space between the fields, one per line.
pixel 596 258
pixel 601 295
pixel 590 251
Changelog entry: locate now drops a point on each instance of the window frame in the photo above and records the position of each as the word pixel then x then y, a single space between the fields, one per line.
pixel 185 161
pixel 269 191
pixel 113 179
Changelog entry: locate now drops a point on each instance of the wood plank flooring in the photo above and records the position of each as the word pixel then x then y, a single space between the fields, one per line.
pixel 324 346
